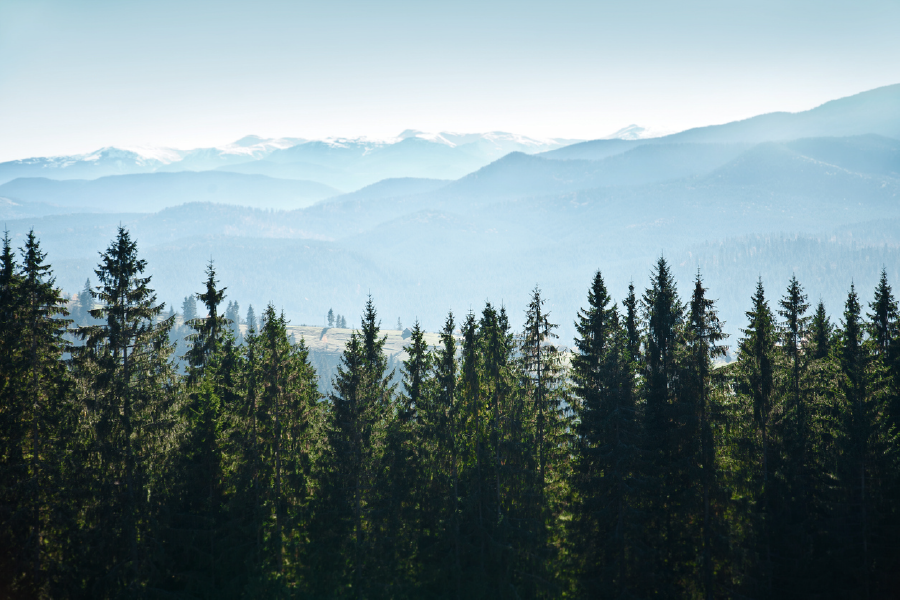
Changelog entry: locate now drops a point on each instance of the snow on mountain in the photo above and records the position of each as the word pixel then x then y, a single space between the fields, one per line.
pixel 635 132
pixel 407 155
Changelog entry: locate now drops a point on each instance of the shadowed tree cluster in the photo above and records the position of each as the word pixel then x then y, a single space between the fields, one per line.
pixel 496 464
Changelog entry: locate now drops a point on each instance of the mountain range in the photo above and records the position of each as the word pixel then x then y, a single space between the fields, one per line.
pixel 816 194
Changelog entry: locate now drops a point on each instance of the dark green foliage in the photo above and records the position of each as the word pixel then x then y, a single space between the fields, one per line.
pixel 349 508
pixel 670 437
pixel 129 393
pixel 639 465
pixel 756 365
pixel 36 410
pixel 821 333
pixel 605 452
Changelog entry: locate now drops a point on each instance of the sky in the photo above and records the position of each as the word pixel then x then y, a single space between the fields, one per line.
pixel 78 76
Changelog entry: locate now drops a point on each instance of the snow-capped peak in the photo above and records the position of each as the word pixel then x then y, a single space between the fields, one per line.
pixel 636 132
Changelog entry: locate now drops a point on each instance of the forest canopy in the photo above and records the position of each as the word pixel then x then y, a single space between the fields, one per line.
pixel 496 464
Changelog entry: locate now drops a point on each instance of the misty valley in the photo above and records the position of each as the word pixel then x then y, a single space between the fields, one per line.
pixel 458 365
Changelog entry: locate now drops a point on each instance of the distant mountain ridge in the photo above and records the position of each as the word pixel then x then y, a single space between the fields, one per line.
pixel 456 154
pixel 873 112
pixel 446 224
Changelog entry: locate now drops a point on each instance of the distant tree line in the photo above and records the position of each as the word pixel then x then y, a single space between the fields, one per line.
pixel 639 465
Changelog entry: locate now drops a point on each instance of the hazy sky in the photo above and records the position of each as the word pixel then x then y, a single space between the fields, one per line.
pixel 76 76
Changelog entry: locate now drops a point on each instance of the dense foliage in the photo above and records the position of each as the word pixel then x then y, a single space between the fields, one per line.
pixel 495 465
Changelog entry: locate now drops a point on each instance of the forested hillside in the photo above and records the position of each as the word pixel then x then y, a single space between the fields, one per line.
pixel 146 453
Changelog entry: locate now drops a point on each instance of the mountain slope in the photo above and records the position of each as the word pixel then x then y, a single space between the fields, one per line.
pixel 874 112
pixel 155 191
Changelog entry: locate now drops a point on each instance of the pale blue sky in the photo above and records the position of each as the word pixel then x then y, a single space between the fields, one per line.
pixel 75 76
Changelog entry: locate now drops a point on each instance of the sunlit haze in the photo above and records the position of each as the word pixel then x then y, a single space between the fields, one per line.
pixel 77 76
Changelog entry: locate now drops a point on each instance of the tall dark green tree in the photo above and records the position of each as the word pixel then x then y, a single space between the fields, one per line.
pixel 794 514
pixel 757 367
pixel 129 396
pixel 884 339
pixel 632 324
pixel 865 457
pixel 404 479
pixel 13 527
pixel 606 451
pixel 666 562
pixel 704 339
pixel 35 508
pixel 821 333
pixel 198 487
pixel 350 503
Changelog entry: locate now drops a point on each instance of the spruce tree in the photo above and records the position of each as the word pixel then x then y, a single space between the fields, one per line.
pixel 330 318
pixel 662 464
pixel 355 426
pixel 9 303
pixel 704 337
pixel 545 390
pixel 632 333
pixel 821 333
pixel 441 506
pixel 35 422
pixel 756 363
pixel 13 525
pixel 129 395
pixel 606 450
pixel 864 457
pixel 883 318
pixel 82 316
pixel 252 323
pixel 403 481
pixel 792 518
pixel 884 339
pixel 189 309
pixel 198 493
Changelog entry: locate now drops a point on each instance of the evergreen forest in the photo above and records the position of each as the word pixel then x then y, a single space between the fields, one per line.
pixel 639 463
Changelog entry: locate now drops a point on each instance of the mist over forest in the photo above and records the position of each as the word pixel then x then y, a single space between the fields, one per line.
pixel 431 223
pixel 458 365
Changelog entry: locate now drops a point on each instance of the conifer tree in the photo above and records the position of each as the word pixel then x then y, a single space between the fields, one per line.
pixel 198 492
pixel 13 528
pixel 403 480
pixel 233 320
pixel 355 429
pixel 9 302
pixel 128 397
pixel 330 318
pixel 606 450
pixel 662 464
pixel 756 363
pixel 440 432
pixel 884 339
pixel 864 455
pixel 821 333
pixel 792 518
pixel 632 332
pixel 34 403
pixel 82 316
pixel 704 337
pixel 252 323
pixel 544 389
pixel 883 318
pixel 189 309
